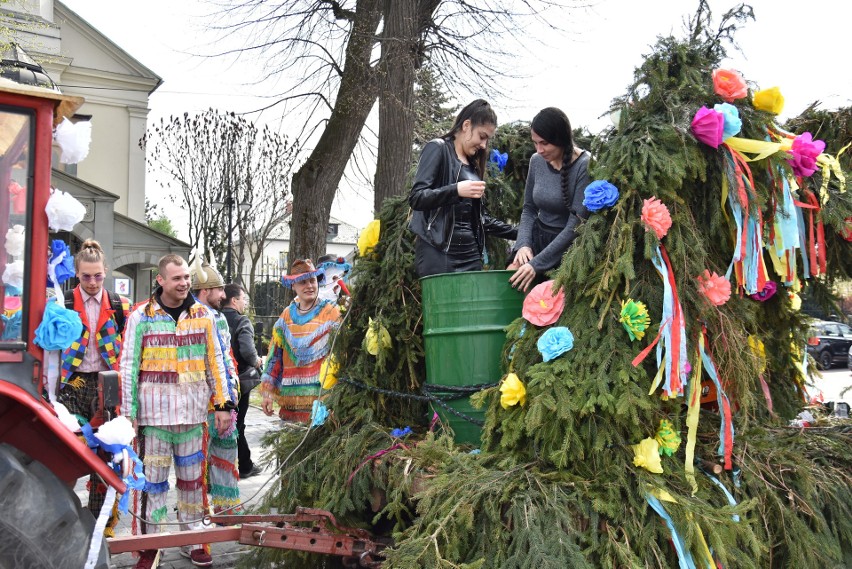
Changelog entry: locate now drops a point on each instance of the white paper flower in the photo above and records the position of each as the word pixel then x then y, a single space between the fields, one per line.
pixel 63 211
pixel 14 274
pixel 66 417
pixel 118 431
pixel 15 239
pixel 74 140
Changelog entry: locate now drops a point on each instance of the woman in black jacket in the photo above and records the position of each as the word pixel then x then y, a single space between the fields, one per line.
pixel 448 218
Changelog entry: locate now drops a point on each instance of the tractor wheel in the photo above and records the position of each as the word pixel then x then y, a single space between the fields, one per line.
pixel 42 523
pixel 825 360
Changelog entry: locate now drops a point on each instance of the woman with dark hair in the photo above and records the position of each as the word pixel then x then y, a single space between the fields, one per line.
pixel 449 218
pixel 553 198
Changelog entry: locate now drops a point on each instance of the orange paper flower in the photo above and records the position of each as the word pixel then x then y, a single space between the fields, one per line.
pixel 541 306
pixel 656 217
pixel 770 100
pixel 717 289
pixel 729 85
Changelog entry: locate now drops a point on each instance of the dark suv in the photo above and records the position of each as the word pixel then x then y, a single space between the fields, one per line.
pixel 829 343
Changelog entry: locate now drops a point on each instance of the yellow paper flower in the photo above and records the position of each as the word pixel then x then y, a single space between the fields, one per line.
pixel 369 237
pixel 795 301
pixel 647 455
pixel 759 350
pixel 667 438
pixel 377 338
pixel 512 391
pixel 328 372
pixel 770 100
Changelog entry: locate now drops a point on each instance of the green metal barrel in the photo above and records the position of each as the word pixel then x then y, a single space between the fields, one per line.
pixel 464 321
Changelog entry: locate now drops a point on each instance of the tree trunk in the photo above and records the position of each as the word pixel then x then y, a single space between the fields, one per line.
pixel 316 182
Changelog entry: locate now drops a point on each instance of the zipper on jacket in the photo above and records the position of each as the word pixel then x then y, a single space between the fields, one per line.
pixel 453 212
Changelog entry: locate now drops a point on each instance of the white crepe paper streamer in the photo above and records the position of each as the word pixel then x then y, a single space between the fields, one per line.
pixel 63 211
pixel 100 525
pixel 51 273
pixel 65 417
pixel 74 139
pixel 51 373
pixel 14 274
pixel 118 431
pixel 15 240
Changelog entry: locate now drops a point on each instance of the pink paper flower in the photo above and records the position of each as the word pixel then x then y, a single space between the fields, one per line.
pixel 656 217
pixel 769 290
pixel 804 154
pixel 729 85
pixel 541 306
pixel 717 289
pixel 708 126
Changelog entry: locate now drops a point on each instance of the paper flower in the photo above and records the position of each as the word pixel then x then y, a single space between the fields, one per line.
pixel 768 292
pixel 377 338
pixel 647 455
pixel 541 306
pixel 63 211
pixel 846 232
pixel 555 342
pixel 369 237
pixel 667 438
pixel 795 301
pixel 512 392
pixel 600 194
pixel 733 122
pixel 328 372
pixel 400 433
pixel 319 413
pixel 59 327
pixel 15 239
pixel 635 319
pixel 770 100
pixel 11 324
pixel 498 159
pixel 14 274
pixel 759 350
pixel 118 431
pixel 804 154
pixel 708 126
pixel 61 260
pixel 656 217
pixel 65 417
pixel 74 139
pixel 729 85
pixel 716 288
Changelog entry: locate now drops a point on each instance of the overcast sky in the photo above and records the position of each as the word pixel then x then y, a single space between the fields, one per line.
pixel 800 47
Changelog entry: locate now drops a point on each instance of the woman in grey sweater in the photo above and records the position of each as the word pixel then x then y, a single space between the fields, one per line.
pixel 553 198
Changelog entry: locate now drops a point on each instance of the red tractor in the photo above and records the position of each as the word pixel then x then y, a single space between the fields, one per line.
pixel 42 523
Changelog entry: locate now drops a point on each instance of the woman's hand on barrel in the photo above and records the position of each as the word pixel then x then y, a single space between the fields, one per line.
pixel 523 277
pixel 471 189
pixel 524 255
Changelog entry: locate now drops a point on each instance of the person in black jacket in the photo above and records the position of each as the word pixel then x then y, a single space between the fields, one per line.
pixel 448 216
pixel 248 367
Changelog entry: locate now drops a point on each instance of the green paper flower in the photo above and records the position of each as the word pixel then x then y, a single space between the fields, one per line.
pixel 668 438
pixel 634 317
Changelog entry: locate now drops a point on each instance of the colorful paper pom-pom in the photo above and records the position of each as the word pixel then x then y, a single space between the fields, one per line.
pixel 599 194
pixel 647 455
pixel 512 392
pixel 401 433
pixel 635 319
pixel 328 372
pixel 708 125
pixel 668 438
pixel 804 153
pixel 377 338
pixel 59 327
pixel 733 122
pixel 716 288
pixel 656 217
pixel 63 211
pixel 729 85
pixel 15 239
pixel 768 292
pixel 555 342
pixel 795 301
pixel 770 100
pixel 369 237
pixel 541 306
pixel 498 159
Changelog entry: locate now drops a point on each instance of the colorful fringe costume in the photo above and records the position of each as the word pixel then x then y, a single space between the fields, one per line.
pixel 300 343
pixel 169 372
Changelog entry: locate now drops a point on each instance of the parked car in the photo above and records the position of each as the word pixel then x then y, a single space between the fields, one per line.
pixel 830 343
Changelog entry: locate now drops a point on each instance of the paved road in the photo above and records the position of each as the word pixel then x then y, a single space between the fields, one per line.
pixel 832 384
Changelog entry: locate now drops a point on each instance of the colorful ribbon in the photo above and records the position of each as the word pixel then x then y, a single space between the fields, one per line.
pixel 726 428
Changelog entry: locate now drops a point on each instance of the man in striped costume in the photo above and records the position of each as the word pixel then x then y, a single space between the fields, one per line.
pixel 172 369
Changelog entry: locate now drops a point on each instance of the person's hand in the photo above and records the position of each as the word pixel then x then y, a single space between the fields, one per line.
pixel 223 422
pixel 471 189
pixel 523 277
pixel 524 255
pixel 267 404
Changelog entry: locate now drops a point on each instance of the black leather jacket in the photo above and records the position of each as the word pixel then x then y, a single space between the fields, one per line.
pixel 435 192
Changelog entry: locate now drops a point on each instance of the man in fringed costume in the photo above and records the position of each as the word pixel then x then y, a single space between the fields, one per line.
pixel 172 370
pixel 301 340
pixel 208 287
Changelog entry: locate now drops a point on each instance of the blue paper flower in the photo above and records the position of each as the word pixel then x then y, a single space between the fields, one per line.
pixel 64 268
pixel 59 327
pixel 600 194
pixel 11 326
pixel 733 123
pixel 319 413
pixel 555 342
pixel 499 159
pixel 400 433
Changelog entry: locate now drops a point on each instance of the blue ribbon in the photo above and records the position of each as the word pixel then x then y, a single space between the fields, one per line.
pixel 133 481
pixel 684 557
pixel 731 500
pixel 721 398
